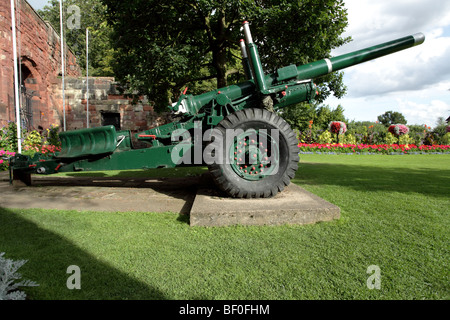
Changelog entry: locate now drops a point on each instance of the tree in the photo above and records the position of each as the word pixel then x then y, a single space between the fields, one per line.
pixel 391 117
pixel 441 127
pixel 162 46
pixel 299 116
pixel 79 15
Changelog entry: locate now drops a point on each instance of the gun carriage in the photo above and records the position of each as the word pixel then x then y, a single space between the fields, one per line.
pixel 250 150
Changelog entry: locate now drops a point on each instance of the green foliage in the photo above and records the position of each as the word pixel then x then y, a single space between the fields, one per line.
pixel 440 129
pixel 300 115
pixel 391 117
pixel 430 139
pixel 349 139
pixel 52 136
pixel 325 137
pixel 32 143
pixel 418 132
pixel 445 139
pixel 406 139
pixel 92 16
pixel 390 138
pixel 161 47
pixel 8 144
pixel 367 132
pixel 8 137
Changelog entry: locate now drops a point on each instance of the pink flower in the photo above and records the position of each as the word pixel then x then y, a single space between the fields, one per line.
pixel 398 129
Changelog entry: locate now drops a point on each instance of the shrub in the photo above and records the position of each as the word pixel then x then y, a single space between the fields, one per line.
pixel 325 137
pixel 349 139
pixel 4 154
pixel 8 137
pixel 390 138
pixel 32 143
pixel 53 136
pixel 445 140
pixel 337 127
pixel 398 129
pixel 8 276
pixel 406 139
pixel 430 139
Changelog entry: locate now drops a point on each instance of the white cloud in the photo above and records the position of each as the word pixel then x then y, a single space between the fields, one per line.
pixel 426 113
pixel 375 21
pixel 413 69
pixel 415 81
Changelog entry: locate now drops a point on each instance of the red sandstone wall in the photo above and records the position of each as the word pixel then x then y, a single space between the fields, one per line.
pixel 39 52
pixel 104 97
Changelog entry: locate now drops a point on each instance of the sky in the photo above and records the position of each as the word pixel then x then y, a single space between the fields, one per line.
pixel 37 4
pixel 414 82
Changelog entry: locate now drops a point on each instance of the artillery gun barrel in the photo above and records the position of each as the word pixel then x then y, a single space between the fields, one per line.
pixel 272 83
pixel 326 66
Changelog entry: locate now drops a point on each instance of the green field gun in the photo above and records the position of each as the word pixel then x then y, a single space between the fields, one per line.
pixel 250 151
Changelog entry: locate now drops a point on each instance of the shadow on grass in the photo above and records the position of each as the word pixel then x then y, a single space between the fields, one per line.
pixel 431 182
pixel 49 255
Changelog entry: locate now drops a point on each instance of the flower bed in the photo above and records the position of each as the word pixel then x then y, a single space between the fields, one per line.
pixel 372 149
pixel 30 151
pixel 4 154
pixel 44 149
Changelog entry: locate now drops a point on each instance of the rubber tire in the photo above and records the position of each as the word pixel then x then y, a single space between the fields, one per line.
pixel 235 186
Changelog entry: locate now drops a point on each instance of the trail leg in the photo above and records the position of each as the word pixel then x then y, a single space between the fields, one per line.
pixel 21 179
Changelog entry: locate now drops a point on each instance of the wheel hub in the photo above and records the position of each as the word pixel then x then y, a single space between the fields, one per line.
pixel 254 155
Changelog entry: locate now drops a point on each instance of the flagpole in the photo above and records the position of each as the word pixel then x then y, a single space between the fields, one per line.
pixel 16 78
pixel 62 61
pixel 87 78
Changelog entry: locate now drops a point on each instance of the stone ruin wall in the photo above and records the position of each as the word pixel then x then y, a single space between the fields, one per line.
pixel 40 67
pixel 104 99
pixel 39 56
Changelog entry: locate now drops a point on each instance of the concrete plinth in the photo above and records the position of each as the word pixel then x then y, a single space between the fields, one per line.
pixel 196 196
pixel 292 206
pixel 100 194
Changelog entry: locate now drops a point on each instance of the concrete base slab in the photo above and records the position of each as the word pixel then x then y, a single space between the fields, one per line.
pixel 101 194
pixel 196 196
pixel 292 206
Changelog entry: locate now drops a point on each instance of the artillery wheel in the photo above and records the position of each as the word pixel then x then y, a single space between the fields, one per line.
pixel 253 168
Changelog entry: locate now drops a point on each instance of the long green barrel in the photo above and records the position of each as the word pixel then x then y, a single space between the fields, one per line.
pixel 325 66
pixel 277 82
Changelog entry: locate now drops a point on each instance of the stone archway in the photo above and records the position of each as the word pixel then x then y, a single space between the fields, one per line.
pixel 33 95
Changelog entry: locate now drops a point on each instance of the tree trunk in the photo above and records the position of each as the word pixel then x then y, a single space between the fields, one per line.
pixel 220 64
pixel 217 41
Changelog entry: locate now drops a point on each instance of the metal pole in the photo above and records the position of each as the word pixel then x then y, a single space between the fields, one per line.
pixel 62 61
pixel 87 78
pixel 16 78
pixel 255 60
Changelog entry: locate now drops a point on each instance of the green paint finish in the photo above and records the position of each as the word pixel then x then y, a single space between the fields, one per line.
pixel 155 157
pixel 105 149
pixel 323 67
pixel 87 142
pixel 286 73
pixel 249 155
pixel 257 67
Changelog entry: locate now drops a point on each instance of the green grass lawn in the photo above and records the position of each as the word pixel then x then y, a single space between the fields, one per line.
pixel 394 214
